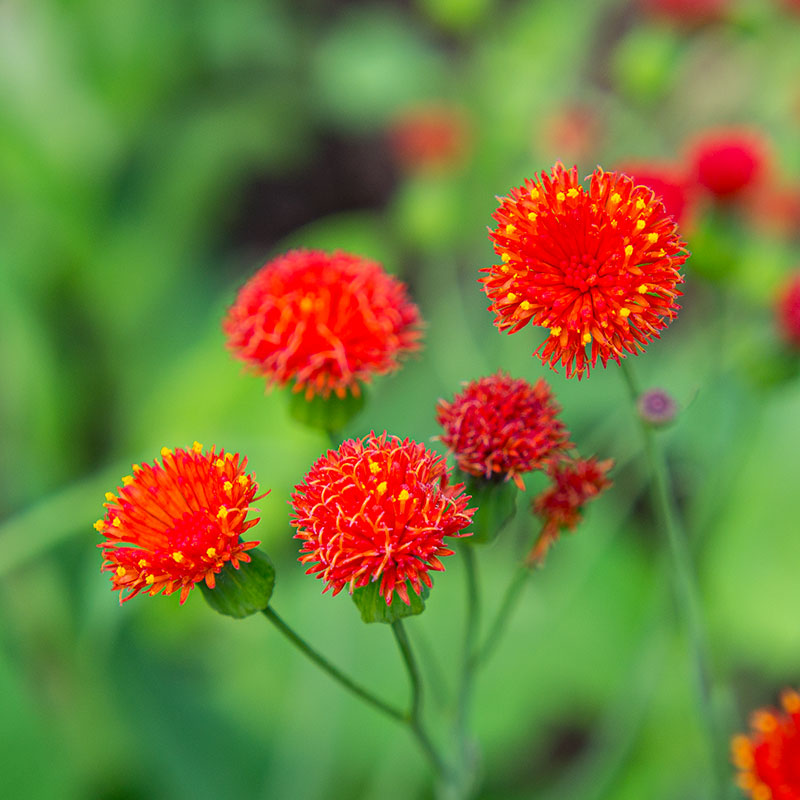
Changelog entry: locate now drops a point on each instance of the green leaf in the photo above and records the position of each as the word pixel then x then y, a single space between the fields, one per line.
pixel 374 608
pixel 244 591
pixel 329 414
pixel 497 504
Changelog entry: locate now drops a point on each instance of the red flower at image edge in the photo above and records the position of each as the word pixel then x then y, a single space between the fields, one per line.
pixel 378 509
pixel 177 522
pixel 598 267
pixel 501 427
pixel 769 759
pixel 788 311
pixel 325 322
pixel 728 161
pixel 574 482
pixel 686 12
pixel 667 182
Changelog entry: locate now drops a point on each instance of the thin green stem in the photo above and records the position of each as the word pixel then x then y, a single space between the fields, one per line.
pixel 335 673
pixel 501 618
pixel 414 717
pixel 685 585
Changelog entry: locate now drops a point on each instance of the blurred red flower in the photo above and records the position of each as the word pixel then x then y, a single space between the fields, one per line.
pixel 788 310
pixel 598 267
pixel 686 12
pixel 501 427
pixel 668 182
pixel 429 137
pixel 727 161
pixel 769 758
pixel 574 482
pixel 177 522
pixel 378 509
pixel 326 322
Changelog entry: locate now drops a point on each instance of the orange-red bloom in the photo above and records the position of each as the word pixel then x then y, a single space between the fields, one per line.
pixel 769 759
pixel 501 427
pixel 726 162
pixel 429 138
pixel 575 481
pixel 788 310
pixel 326 322
pixel 378 509
pixel 177 522
pixel 667 182
pixel 598 267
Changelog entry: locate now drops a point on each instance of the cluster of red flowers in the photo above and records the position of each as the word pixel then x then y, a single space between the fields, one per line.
pixel 598 267
pixel 324 322
pixel 502 427
pixel 378 509
pixel 574 482
pixel 178 522
pixel 769 758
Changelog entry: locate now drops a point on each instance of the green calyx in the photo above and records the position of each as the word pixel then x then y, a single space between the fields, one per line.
pixel 326 413
pixel 241 592
pixel 497 503
pixel 373 606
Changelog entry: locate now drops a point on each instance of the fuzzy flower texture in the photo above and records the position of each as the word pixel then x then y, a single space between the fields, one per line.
pixel 501 427
pixel 378 509
pixel 178 522
pixel 597 266
pixel 769 759
pixel 324 322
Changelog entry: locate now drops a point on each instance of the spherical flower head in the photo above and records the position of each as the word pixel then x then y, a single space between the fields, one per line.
pixel 378 509
pixel 769 758
pixel 726 162
pixel 574 482
pixel 657 407
pixel 787 311
pixel 324 322
pixel 502 427
pixel 429 138
pixel 667 182
pixel 598 267
pixel 177 522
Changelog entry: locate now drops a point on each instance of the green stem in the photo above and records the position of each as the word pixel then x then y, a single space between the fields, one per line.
pixel 685 585
pixel 336 674
pixel 501 618
pixel 414 717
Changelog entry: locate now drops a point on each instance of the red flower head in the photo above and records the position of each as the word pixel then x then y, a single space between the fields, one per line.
pixel 769 759
pixel 173 524
pixel 686 12
pixel 667 182
pixel 574 483
pixel 726 162
pixel 325 322
pixel 428 138
pixel 501 427
pixel 378 508
pixel 788 310
pixel 596 267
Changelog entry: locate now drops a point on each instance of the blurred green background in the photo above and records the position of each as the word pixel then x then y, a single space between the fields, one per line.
pixel 153 155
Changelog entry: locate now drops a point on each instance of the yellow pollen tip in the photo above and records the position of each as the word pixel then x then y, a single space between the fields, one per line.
pixel 150 580
pixel 505 258
pixel 624 312
pixel 586 338
pixel 505 269
pixel 111 497
pixel 99 525
pixel 219 463
pixel 534 194
pixel 222 513
pixel 525 305
pixel 121 571
pixel 178 556
pixel 382 487
pixel 136 467
pixel 243 479
pixel 165 451
pixel 791 701
pixel 642 289
pixel 615 198
pixel 127 480
pixel 197 447
pixel 227 486
pixel 510 229
pixel 117 523
pixel 629 250
pixel 211 552
pixel 532 217
pixel 613 223
pixel 556 331
pixel 141 563
pixel 511 297
pixel 306 304
pixel 374 467
pixel 640 204
pixel 652 237
pixel 561 197
pixel 640 223
pixel 403 496
pixel 229 456
pixel 573 192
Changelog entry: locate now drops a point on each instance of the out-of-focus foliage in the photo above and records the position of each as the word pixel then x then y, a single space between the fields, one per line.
pixel 152 156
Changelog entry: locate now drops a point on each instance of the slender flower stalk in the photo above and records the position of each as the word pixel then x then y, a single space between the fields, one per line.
pixel 685 585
